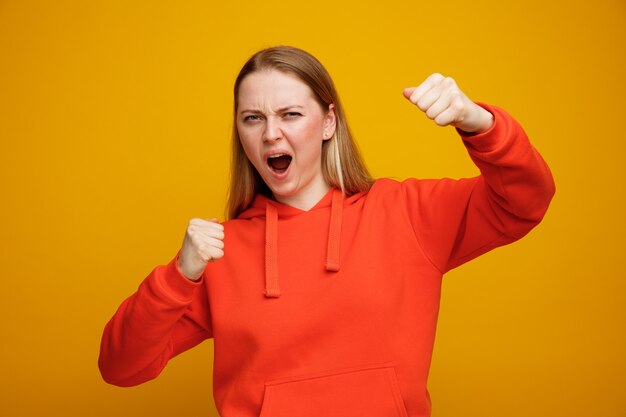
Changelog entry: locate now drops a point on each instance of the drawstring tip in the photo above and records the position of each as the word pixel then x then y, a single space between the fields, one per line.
pixel 272 293
pixel 332 266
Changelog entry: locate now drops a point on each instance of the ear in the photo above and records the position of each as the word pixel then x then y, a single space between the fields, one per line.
pixel 330 122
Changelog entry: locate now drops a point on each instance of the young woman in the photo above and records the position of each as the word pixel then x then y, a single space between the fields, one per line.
pixel 321 291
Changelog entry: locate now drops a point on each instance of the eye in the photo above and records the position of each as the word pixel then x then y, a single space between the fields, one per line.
pixel 292 115
pixel 252 118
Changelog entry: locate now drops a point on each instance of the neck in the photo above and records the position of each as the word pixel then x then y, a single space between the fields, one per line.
pixel 305 200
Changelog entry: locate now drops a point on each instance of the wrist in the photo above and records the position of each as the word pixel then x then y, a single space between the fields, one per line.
pixel 486 122
pixel 483 122
pixel 183 274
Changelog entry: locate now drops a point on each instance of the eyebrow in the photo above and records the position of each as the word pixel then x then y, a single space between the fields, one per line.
pixel 282 109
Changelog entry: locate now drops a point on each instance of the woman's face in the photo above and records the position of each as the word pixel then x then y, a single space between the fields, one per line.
pixel 282 128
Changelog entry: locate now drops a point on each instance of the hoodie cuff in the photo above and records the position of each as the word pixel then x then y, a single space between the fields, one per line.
pixel 492 143
pixel 174 283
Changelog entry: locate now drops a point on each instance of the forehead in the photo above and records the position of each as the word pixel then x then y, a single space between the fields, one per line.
pixel 274 88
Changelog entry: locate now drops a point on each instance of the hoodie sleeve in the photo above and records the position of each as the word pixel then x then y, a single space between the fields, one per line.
pixel 458 220
pixel 167 315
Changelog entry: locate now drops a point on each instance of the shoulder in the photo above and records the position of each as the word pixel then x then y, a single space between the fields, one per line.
pixel 392 191
pixel 419 189
pixel 385 186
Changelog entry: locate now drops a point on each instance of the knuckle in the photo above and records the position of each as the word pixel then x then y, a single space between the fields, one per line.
pixel 195 237
pixel 436 76
pixel 449 82
pixel 454 95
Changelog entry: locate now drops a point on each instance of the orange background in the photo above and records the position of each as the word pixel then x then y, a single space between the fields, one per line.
pixel 114 125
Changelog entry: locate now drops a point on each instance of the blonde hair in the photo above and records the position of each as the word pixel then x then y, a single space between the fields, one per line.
pixel 342 165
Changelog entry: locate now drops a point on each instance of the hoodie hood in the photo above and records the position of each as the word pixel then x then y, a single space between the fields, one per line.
pixel 273 211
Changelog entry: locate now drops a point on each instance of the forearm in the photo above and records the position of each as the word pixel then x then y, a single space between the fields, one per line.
pixel 137 341
pixel 519 183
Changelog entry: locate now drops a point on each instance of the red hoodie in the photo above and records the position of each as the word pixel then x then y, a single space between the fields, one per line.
pixel 332 312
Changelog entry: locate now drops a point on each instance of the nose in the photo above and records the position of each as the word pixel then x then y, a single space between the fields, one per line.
pixel 272 130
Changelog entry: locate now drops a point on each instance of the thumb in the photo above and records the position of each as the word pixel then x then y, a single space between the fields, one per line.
pixel 213 219
pixel 408 91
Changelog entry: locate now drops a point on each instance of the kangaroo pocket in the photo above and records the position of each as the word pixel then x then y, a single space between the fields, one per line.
pixel 363 391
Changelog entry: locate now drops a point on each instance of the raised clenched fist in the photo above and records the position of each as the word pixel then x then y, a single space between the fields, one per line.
pixel 444 102
pixel 203 242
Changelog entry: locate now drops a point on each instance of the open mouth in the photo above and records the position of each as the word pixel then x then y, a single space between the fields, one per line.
pixel 279 163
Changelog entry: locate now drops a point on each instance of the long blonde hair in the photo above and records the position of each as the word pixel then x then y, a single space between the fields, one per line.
pixel 342 165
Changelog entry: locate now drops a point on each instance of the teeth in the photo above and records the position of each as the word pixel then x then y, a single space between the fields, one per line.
pixel 277 155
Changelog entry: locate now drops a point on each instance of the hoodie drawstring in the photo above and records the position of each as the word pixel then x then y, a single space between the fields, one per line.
pixel 271 251
pixel 334 232
pixel 271 242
